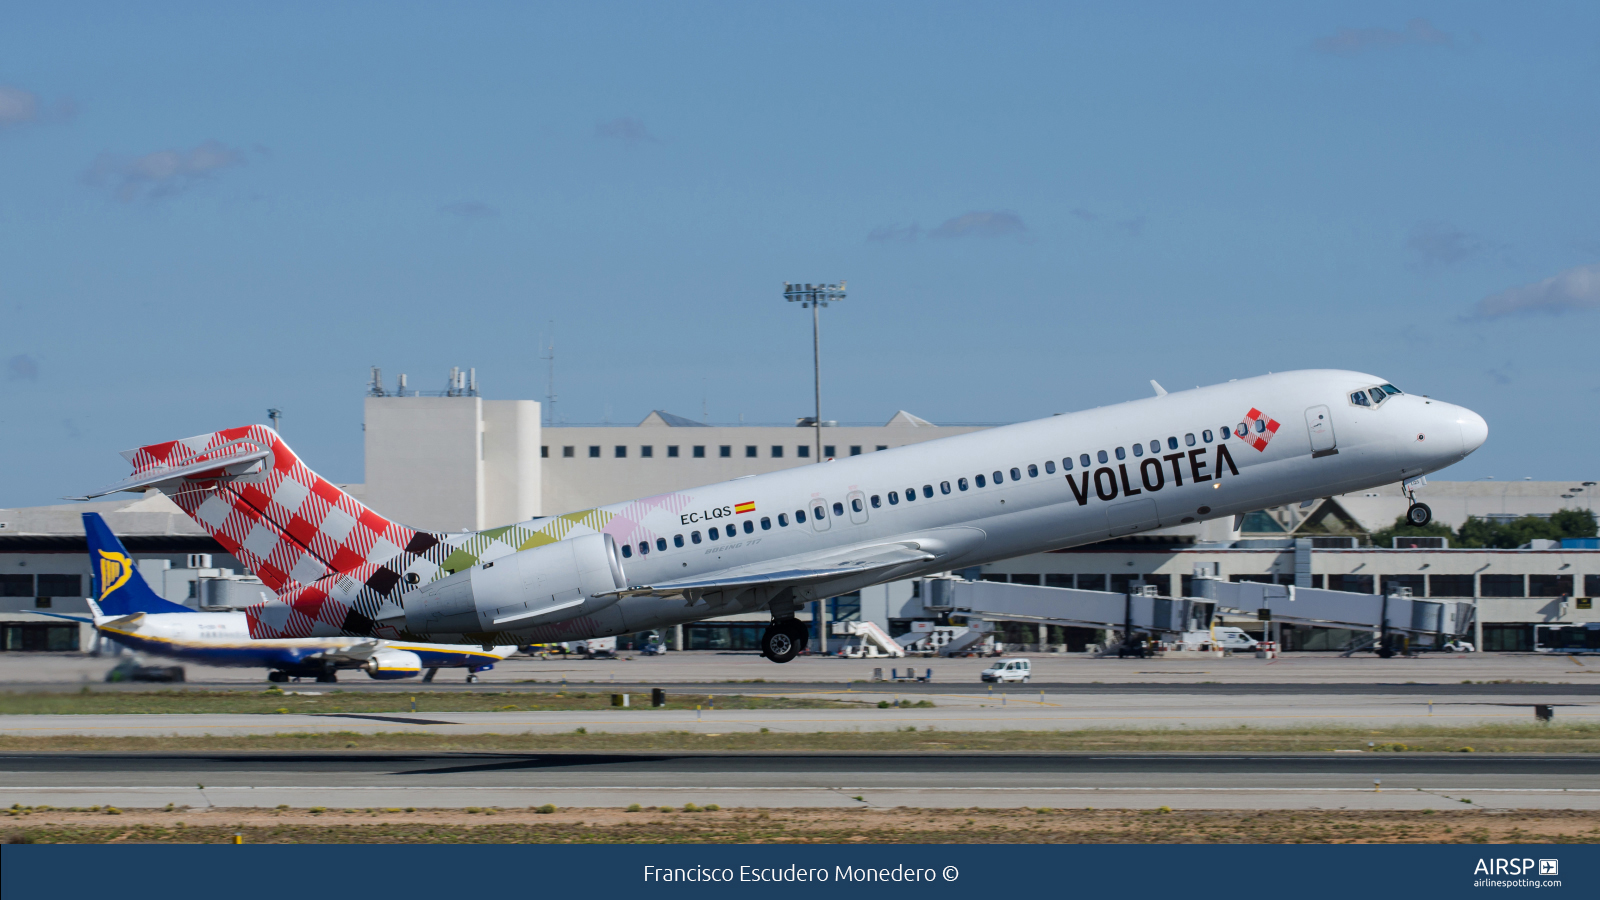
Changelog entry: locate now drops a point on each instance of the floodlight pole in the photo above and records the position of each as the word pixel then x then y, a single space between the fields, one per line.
pixel 815 296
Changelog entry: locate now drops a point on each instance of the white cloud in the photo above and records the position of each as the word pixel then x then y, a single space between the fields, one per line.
pixel 164 173
pixel 1573 290
pixel 981 224
pixel 1355 41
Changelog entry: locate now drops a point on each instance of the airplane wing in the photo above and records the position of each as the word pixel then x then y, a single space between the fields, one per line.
pixel 784 572
pixel 56 615
pixel 354 652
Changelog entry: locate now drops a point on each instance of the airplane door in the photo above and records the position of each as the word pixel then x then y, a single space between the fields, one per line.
pixel 1320 423
pixel 856 502
pixel 819 514
pixel 1135 515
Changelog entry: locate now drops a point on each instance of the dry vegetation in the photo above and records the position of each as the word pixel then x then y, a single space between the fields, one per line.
pixel 797 826
pixel 1509 738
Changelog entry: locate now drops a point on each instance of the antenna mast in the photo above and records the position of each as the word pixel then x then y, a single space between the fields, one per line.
pixel 550 382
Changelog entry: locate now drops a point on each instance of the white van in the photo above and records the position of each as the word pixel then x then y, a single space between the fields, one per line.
pixel 1008 670
pixel 1227 637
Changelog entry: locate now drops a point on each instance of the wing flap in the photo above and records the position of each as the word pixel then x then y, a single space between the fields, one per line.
pixel 784 572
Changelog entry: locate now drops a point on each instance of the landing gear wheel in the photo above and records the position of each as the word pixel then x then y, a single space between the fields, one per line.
pixel 327 678
pixel 778 644
pixel 472 678
pixel 798 632
pixel 277 677
pixel 1419 515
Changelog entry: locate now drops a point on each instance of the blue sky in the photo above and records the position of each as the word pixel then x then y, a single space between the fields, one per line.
pixel 210 209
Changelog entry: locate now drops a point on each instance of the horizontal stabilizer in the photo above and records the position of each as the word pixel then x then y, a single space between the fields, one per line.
pixel 238 464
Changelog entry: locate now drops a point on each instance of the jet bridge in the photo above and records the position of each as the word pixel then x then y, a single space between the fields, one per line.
pixel 1149 613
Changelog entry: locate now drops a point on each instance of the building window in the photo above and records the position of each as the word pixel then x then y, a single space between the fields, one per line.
pixel 882 447
pixel 43 602
pixel 569 452
pixel 672 451
pixel 725 451
pixel 1503 585
pixel 60 585
pixel 30 637
pixel 699 451
pixel 544 452
pixel 1355 584
pixel 1091 582
pixel 16 585
pixel 594 452
pixel 803 451
pixel 828 451
pixel 1451 586
pixel 1058 581
pixel 855 450
pixel 647 451
pixel 750 451
pixel 1507 638
pixel 1591 585
pixel 621 452
pixel 1538 585
pixel 1392 584
pixel 777 451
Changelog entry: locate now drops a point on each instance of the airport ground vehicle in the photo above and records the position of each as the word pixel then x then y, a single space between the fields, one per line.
pixel 777 541
pixel 1007 670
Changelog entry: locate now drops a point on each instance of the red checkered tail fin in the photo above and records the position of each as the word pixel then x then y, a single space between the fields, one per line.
pixel 287 524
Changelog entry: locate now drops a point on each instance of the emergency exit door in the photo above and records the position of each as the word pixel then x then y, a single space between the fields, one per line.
pixel 1320 423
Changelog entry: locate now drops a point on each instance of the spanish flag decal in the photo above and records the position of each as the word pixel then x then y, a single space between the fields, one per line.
pixel 740 509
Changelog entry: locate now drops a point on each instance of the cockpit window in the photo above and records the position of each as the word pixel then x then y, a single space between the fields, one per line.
pixel 1378 396
pixel 1391 390
pixel 1359 398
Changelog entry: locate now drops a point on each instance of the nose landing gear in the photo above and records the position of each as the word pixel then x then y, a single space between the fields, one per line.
pixel 1419 514
pixel 784 639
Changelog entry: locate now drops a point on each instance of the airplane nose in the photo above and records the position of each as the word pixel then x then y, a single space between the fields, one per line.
pixel 1474 431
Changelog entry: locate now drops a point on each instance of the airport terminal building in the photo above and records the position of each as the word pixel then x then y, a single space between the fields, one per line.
pixel 462 462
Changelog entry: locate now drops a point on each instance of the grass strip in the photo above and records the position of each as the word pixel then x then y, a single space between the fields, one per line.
pixel 699 825
pixel 1486 738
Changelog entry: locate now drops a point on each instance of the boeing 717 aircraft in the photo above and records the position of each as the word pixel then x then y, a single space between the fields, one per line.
pixel 778 541
pixel 126 610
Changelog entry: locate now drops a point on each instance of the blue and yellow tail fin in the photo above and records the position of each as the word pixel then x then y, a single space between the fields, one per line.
pixel 119 589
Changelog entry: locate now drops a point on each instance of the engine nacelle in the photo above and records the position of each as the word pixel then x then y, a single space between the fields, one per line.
pixel 393 664
pixel 518 592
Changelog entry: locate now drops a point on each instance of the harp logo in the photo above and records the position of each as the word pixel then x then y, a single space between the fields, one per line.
pixel 115 570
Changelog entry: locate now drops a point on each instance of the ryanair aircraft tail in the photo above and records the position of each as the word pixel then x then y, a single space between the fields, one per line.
pixel 119 589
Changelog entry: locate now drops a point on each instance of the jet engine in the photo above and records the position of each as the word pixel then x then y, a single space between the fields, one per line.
pixel 518 592
pixel 393 664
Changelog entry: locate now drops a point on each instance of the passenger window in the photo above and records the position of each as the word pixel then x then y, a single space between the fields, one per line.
pixel 1138 449
pixel 1050 467
pixel 819 513
pixel 1083 459
pixel 838 508
pixel 894 498
pixel 977 478
pixel 855 504
pixel 1155 446
pixel 661 544
pixel 694 536
pixel 1359 398
pixel 783 520
pixel 1206 435
pixel 876 503
pixel 766 524
pixel 1223 435
pixel 1102 456
pixel 800 516
pixel 749 527
pixel 627 552
pixel 961 483
pixel 1121 453
pixel 644 548
pixel 999 478
pixel 1241 430
pixel 911 494
pixel 677 540
pixel 927 489
pixel 1261 426
pixel 712 532
pixel 1033 471
pixel 1172 443
pixel 1066 464
pixel 1188 439
pixel 944 488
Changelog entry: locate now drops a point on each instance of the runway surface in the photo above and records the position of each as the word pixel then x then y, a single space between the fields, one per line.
pixel 931 779
pixel 1037 709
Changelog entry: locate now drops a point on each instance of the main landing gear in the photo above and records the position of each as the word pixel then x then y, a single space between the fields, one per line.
pixel 784 639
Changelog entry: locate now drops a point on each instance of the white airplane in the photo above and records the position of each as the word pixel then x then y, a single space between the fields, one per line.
pixel 778 541
pixel 127 611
